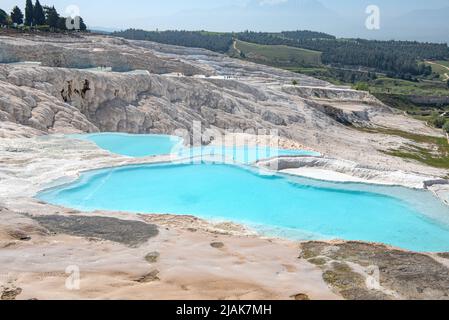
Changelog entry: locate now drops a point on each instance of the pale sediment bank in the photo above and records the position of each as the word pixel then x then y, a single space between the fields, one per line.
pixel 328 175
pixel 337 170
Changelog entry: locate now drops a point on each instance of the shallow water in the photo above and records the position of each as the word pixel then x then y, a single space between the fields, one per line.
pixel 152 145
pixel 295 208
pixel 133 145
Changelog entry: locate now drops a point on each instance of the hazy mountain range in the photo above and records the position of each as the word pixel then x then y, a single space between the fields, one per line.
pixel 411 20
pixel 424 24
pixel 424 20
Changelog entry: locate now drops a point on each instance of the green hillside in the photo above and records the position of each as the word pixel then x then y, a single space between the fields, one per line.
pixel 440 67
pixel 276 55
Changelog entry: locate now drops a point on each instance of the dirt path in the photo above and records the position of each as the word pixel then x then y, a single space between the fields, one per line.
pixel 446 75
pixel 234 45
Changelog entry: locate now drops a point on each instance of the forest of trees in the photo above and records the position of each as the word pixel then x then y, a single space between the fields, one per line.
pixel 37 16
pixel 398 59
pixel 306 35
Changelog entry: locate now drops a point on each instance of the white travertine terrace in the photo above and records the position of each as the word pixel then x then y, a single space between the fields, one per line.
pixel 183 85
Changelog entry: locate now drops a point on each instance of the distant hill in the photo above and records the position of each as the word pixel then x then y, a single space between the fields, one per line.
pixel 399 59
pixel 103 30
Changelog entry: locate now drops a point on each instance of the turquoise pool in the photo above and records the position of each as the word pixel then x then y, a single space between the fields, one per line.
pixel 132 145
pixel 275 205
pixel 152 145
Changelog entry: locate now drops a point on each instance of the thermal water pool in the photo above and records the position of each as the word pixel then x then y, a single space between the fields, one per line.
pixel 144 145
pixel 274 205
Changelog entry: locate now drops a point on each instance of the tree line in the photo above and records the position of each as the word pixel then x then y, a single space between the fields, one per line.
pixel 218 42
pixel 39 17
pixel 398 59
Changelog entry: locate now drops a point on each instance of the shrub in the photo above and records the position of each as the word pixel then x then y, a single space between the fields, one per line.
pixel 437 120
pixel 361 86
pixel 45 28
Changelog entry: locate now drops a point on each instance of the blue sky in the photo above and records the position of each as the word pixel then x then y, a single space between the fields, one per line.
pixel 414 19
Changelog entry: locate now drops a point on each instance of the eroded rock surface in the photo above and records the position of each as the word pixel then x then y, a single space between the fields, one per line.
pixel 369 271
pixel 10 294
pixel 127 232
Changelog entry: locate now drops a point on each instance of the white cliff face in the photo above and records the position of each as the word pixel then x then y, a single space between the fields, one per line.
pixel 40 110
pixel 178 86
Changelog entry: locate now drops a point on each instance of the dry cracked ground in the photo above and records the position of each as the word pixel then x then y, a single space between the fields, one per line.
pixel 158 88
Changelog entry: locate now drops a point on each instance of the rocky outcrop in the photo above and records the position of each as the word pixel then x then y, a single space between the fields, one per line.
pixel 74 52
pixel 335 94
pixel 147 101
pixel 38 109
pixel 131 233
pixel 141 103
pixel 341 115
pixel 362 271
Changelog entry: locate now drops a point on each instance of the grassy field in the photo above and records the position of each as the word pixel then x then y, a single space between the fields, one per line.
pixel 443 63
pixel 397 94
pixel 417 111
pixel 279 56
pixel 398 86
pixel 378 85
pixel 435 154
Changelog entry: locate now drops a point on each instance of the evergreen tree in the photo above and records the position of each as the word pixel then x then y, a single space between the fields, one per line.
pixel 83 26
pixel 17 15
pixel 61 25
pixel 51 17
pixel 3 17
pixel 46 11
pixel 38 14
pixel 29 8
